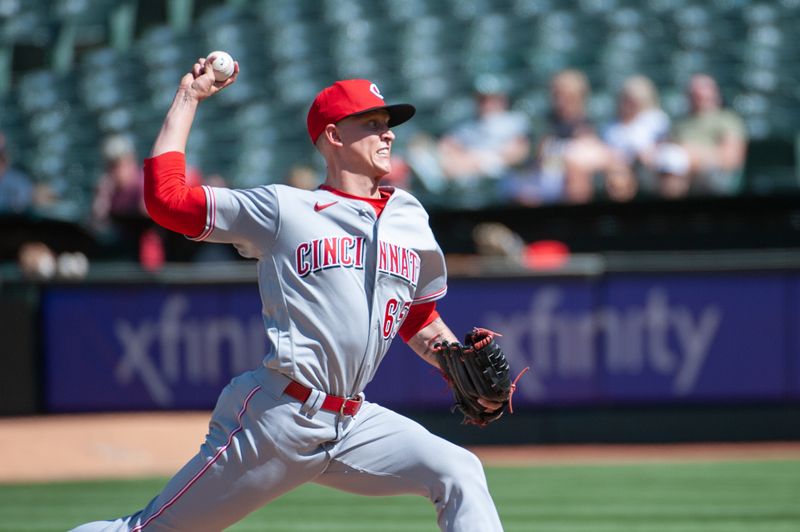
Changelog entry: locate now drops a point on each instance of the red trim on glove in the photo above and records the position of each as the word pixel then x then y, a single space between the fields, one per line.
pixel 419 317
pixel 169 201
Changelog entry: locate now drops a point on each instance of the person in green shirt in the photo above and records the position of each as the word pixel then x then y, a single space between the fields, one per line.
pixel 714 138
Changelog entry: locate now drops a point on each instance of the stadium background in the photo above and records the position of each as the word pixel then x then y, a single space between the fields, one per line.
pixel 669 322
pixel 77 70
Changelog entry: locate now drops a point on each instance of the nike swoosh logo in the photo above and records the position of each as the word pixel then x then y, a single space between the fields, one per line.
pixel 322 206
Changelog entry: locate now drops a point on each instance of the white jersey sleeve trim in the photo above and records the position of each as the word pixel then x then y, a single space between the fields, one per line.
pixel 211 215
pixel 430 297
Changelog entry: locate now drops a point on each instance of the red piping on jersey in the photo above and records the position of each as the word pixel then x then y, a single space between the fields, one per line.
pixel 211 220
pixel 377 203
pixel 206 467
pixel 429 297
pixel 169 201
pixel 419 317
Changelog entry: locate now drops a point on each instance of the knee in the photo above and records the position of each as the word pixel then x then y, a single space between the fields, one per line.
pixel 470 463
pixel 462 468
pixel 461 495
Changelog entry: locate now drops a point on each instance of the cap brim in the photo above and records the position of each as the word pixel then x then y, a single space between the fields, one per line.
pixel 398 112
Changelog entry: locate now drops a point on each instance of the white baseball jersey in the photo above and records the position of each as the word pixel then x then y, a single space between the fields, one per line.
pixel 336 283
pixel 336 280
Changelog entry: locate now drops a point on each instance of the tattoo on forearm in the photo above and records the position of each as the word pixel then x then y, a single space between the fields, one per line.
pixel 186 98
pixel 423 343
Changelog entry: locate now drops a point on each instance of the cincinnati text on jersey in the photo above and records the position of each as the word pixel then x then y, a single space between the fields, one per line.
pixel 398 261
pixel 333 252
pixel 348 252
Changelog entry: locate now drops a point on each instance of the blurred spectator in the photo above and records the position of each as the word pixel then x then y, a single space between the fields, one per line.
pixel 486 147
pixel 16 188
pixel 302 176
pixel 671 164
pixel 400 174
pixel 195 178
pixel 120 190
pixel 496 240
pixel 37 261
pixel 118 205
pixel 640 124
pixel 569 153
pixel 714 138
pixel 621 183
pixel 572 143
pixel 477 152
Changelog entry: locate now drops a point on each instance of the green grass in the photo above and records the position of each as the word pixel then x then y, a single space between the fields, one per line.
pixel 708 497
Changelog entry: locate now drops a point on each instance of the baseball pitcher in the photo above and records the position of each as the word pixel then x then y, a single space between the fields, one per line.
pixel 342 270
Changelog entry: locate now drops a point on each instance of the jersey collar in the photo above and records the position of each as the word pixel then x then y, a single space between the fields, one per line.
pixel 377 203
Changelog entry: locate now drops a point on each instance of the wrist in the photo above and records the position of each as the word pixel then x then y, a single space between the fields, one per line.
pixel 185 97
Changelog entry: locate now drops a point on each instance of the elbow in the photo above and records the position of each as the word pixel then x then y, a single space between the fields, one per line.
pixel 159 210
pixel 149 207
pixel 154 207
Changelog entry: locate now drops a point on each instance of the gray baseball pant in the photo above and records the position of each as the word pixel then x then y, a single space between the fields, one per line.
pixel 262 443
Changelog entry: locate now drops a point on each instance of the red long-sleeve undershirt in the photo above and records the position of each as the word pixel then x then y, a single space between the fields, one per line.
pixel 169 201
pixel 183 209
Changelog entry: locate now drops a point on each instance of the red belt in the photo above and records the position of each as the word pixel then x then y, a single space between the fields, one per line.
pixel 332 403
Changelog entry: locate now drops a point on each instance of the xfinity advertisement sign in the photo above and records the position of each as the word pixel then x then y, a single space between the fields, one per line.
pixel 623 339
pixel 174 347
pixel 653 338
pixel 656 337
pixel 148 347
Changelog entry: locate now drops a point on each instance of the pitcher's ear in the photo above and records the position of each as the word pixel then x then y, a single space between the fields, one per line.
pixel 332 134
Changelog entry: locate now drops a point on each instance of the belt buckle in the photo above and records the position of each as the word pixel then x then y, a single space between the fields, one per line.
pixel 344 404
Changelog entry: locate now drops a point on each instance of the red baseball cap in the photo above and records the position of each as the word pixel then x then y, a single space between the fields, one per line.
pixel 351 97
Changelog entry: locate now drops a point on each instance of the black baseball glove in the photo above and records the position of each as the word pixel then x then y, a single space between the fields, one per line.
pixel 478 369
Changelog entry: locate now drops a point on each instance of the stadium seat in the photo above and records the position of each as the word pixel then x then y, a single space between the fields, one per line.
pixel 429 53
pixel 26 23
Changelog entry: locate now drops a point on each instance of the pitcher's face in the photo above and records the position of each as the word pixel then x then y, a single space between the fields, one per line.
pixel 367 142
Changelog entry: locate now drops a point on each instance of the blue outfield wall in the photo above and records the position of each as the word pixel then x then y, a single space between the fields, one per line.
pixel 623 338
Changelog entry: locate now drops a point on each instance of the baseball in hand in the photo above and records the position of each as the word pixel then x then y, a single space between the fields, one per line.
pixel 222 65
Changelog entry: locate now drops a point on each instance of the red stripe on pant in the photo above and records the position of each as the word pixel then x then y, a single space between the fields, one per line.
pixel 211 462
